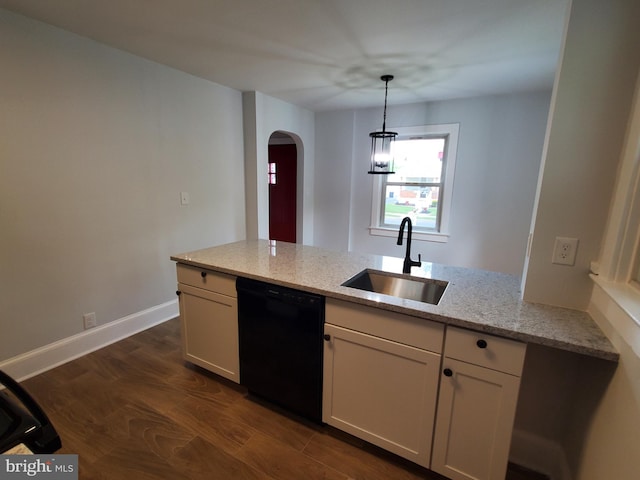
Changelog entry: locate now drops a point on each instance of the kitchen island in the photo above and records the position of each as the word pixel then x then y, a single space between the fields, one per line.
pixel 475 299
pixel 436 383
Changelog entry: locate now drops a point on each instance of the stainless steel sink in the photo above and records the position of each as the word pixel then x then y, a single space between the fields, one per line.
pixel 412 288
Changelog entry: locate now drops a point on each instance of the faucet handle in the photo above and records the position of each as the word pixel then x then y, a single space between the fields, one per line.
pixel 419 260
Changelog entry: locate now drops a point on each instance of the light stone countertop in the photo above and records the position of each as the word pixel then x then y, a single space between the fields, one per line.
pixel 476 299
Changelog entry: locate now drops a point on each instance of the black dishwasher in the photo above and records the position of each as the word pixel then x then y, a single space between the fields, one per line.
pixel 281 343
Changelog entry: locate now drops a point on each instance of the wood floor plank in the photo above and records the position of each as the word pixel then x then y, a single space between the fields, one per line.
pixel 267 420
pixel 48 390
pixel 141 426
pixel 359 463
pixel 154 392
pixel 283 462
pixel 210 422
pixel 198 383
pixel 201 460
pixel 87 399
pixel 135 462
pixel 89 442
pixel 111 363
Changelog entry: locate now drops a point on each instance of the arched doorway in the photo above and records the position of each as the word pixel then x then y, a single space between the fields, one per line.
pixel 283 174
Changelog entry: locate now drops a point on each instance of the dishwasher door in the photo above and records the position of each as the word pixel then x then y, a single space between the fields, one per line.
pixel 280 334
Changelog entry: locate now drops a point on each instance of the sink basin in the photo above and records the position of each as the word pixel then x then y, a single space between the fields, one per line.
pixel 411 288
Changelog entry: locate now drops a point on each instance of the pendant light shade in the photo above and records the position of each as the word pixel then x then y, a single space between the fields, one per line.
pixel 381 157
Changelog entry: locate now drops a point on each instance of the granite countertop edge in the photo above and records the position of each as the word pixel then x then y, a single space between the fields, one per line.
pixel 475 299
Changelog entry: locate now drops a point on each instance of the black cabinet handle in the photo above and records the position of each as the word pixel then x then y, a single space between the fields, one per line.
pixel 327 337
pixel 203 274
pixel 447 372
pixel 481 343
pixel 178 292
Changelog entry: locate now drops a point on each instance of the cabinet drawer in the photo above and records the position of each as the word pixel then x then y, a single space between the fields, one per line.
pixel 393 326
pixel 485 350
pixel 207 279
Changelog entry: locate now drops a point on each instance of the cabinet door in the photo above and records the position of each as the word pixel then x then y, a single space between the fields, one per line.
pixel 210 331
pixel 476 408
pixel 381 391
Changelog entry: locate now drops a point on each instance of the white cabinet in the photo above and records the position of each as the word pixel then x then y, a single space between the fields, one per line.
pixel 381 373
pixel 209 320
pixel 476 405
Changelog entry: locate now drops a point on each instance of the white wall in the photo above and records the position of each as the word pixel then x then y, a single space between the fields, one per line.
pixel 605 440
pixel 333 172
pixel 593 95
pixel 264 115
pixel 499 151
pixel 95 147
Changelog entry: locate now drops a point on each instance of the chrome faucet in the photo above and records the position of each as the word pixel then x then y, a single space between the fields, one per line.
pixel 408 263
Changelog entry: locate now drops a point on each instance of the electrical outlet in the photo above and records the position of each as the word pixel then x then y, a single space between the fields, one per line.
pixel 564 251
pixel 89 320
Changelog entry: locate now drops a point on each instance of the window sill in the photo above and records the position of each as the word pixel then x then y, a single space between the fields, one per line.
pixel 619 303
pixel 438 237
pixel 624 295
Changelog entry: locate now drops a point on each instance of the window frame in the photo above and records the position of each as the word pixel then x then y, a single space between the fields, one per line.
pixel 616 270
pixel 449 131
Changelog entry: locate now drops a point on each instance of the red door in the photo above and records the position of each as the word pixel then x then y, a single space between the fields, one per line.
pixel 282 192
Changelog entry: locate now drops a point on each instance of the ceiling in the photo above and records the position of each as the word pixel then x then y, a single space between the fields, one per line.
pixel 330 54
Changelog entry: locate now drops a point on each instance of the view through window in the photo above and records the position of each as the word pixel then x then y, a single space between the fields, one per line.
pixel 415 190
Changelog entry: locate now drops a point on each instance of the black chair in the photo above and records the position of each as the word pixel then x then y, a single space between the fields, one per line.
pixel 23 421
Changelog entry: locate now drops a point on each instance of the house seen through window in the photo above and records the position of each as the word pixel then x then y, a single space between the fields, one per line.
pixel 414 190
pixel 422 184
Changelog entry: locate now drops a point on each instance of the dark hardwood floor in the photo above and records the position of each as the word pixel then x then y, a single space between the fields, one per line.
pixel 136 410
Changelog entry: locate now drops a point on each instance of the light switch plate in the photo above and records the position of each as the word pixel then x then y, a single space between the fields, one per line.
pixel 184 198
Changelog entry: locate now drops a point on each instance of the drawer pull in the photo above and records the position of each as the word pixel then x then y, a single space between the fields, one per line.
pixel 178 292
pixel 203 274
pixel 327 337
pixel 481 343
pixel 447 372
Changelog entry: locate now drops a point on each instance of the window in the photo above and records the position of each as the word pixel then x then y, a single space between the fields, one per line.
pixel 422 185
pixel 620 257
pixel 618 268
pixel 272 173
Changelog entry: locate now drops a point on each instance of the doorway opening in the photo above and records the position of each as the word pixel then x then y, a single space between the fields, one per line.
pixel 283 174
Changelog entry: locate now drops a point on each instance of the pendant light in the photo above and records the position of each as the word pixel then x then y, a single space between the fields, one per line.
pixel 381 158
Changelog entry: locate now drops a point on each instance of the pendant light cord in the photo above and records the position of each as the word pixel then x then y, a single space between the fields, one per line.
pixel 384 115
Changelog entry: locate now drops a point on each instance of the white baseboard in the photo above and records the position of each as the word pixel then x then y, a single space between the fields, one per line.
pixel 539 454
pixel 45 358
